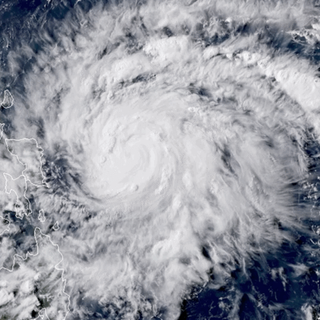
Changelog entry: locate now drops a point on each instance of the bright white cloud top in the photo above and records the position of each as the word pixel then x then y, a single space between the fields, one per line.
pixel 162 147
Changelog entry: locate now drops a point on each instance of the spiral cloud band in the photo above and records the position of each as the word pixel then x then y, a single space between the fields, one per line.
pixel 167 151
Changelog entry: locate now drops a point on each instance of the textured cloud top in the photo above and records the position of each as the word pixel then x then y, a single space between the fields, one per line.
pixel 166 150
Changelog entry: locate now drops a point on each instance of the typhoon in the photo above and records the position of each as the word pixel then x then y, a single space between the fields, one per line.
pixel 160 160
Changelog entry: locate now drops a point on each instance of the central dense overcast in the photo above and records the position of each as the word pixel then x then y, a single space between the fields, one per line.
pixel 179 144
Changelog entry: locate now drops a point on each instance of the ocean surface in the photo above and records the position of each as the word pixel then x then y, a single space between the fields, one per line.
pixel 159 159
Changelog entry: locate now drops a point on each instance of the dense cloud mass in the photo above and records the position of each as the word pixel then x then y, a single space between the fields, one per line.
pixel 159 160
